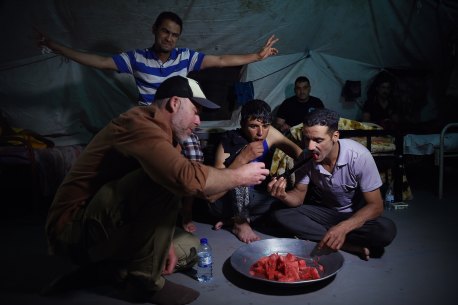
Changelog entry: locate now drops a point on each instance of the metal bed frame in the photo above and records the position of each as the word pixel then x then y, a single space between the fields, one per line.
pixel 443 154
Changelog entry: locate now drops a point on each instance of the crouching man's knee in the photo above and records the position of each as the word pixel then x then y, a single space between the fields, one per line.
pixel 186 245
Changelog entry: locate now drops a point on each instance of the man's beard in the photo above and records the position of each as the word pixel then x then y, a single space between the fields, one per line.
pixel 179 132
pixel 180 137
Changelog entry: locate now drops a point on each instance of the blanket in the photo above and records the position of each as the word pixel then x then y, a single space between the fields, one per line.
pixel 379 145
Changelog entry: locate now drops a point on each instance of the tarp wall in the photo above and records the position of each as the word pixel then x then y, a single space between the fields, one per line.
pixel 329 41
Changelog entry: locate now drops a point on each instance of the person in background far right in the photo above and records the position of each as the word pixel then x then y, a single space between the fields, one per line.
pixel 381 106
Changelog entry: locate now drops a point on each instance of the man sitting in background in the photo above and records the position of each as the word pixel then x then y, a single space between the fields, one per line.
pixel 293 110
pixel 381 106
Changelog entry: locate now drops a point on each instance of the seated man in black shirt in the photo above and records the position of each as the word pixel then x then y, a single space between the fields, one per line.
pixel 293 110
pixel 255 141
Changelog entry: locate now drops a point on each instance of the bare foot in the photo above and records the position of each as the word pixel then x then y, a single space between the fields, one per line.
pixel 222 223
pixel 244 232
pixel 218 225
pixel 362 252
pixel 189 227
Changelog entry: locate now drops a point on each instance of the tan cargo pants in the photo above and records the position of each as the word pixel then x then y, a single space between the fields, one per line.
pixel 130 222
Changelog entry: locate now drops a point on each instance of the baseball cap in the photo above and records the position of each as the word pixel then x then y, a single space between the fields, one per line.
pixel 184 87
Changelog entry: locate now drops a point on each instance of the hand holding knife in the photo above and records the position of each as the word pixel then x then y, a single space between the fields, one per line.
pixel 296 166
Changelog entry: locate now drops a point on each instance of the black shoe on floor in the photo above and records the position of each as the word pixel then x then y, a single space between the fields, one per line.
pixel 86 276
pixel 76 279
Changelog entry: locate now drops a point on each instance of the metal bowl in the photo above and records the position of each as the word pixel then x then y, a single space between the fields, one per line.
pixel 245 256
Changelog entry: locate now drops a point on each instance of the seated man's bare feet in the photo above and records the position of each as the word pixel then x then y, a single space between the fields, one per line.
pixel 244 232
pixel 189 226
pixel 360 251
pixel 218 225
pixel 222 223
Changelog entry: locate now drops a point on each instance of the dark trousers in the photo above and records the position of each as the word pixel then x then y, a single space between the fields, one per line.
pixel 128 223
pixel 257 207
pixel 311 222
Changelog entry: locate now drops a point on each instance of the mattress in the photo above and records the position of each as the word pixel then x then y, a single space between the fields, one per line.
pixel 426 144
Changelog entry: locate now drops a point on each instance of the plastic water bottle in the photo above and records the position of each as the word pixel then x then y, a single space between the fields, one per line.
pixel 205 263
pixel 389 198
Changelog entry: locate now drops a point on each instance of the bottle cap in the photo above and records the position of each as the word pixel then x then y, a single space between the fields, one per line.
pixel 203 241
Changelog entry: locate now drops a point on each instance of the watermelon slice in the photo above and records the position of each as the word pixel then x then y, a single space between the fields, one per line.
pixel 285 268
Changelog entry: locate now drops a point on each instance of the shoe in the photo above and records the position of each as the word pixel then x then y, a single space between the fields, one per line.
pixel 174 294
pixel 170 294
pixel 85 276
pixel 75 279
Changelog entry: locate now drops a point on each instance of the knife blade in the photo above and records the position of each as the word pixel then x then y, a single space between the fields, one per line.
pixel 296 166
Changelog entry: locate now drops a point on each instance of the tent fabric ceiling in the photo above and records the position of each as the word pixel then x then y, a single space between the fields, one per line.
pixel 381 33
pixel 343 40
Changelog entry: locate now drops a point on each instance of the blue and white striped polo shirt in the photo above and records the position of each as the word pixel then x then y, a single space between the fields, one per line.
pixel 149 71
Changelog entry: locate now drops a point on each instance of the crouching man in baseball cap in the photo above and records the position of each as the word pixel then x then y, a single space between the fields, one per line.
pixel 116 210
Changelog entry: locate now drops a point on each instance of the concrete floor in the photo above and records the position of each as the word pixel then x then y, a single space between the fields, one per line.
pixel 419 267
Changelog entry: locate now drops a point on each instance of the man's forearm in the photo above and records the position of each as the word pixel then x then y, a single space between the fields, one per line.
pixel 238 60
pixel 363 215
pixel 221 180
pixel 292 199
pixel 213 61
pixel 87 59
